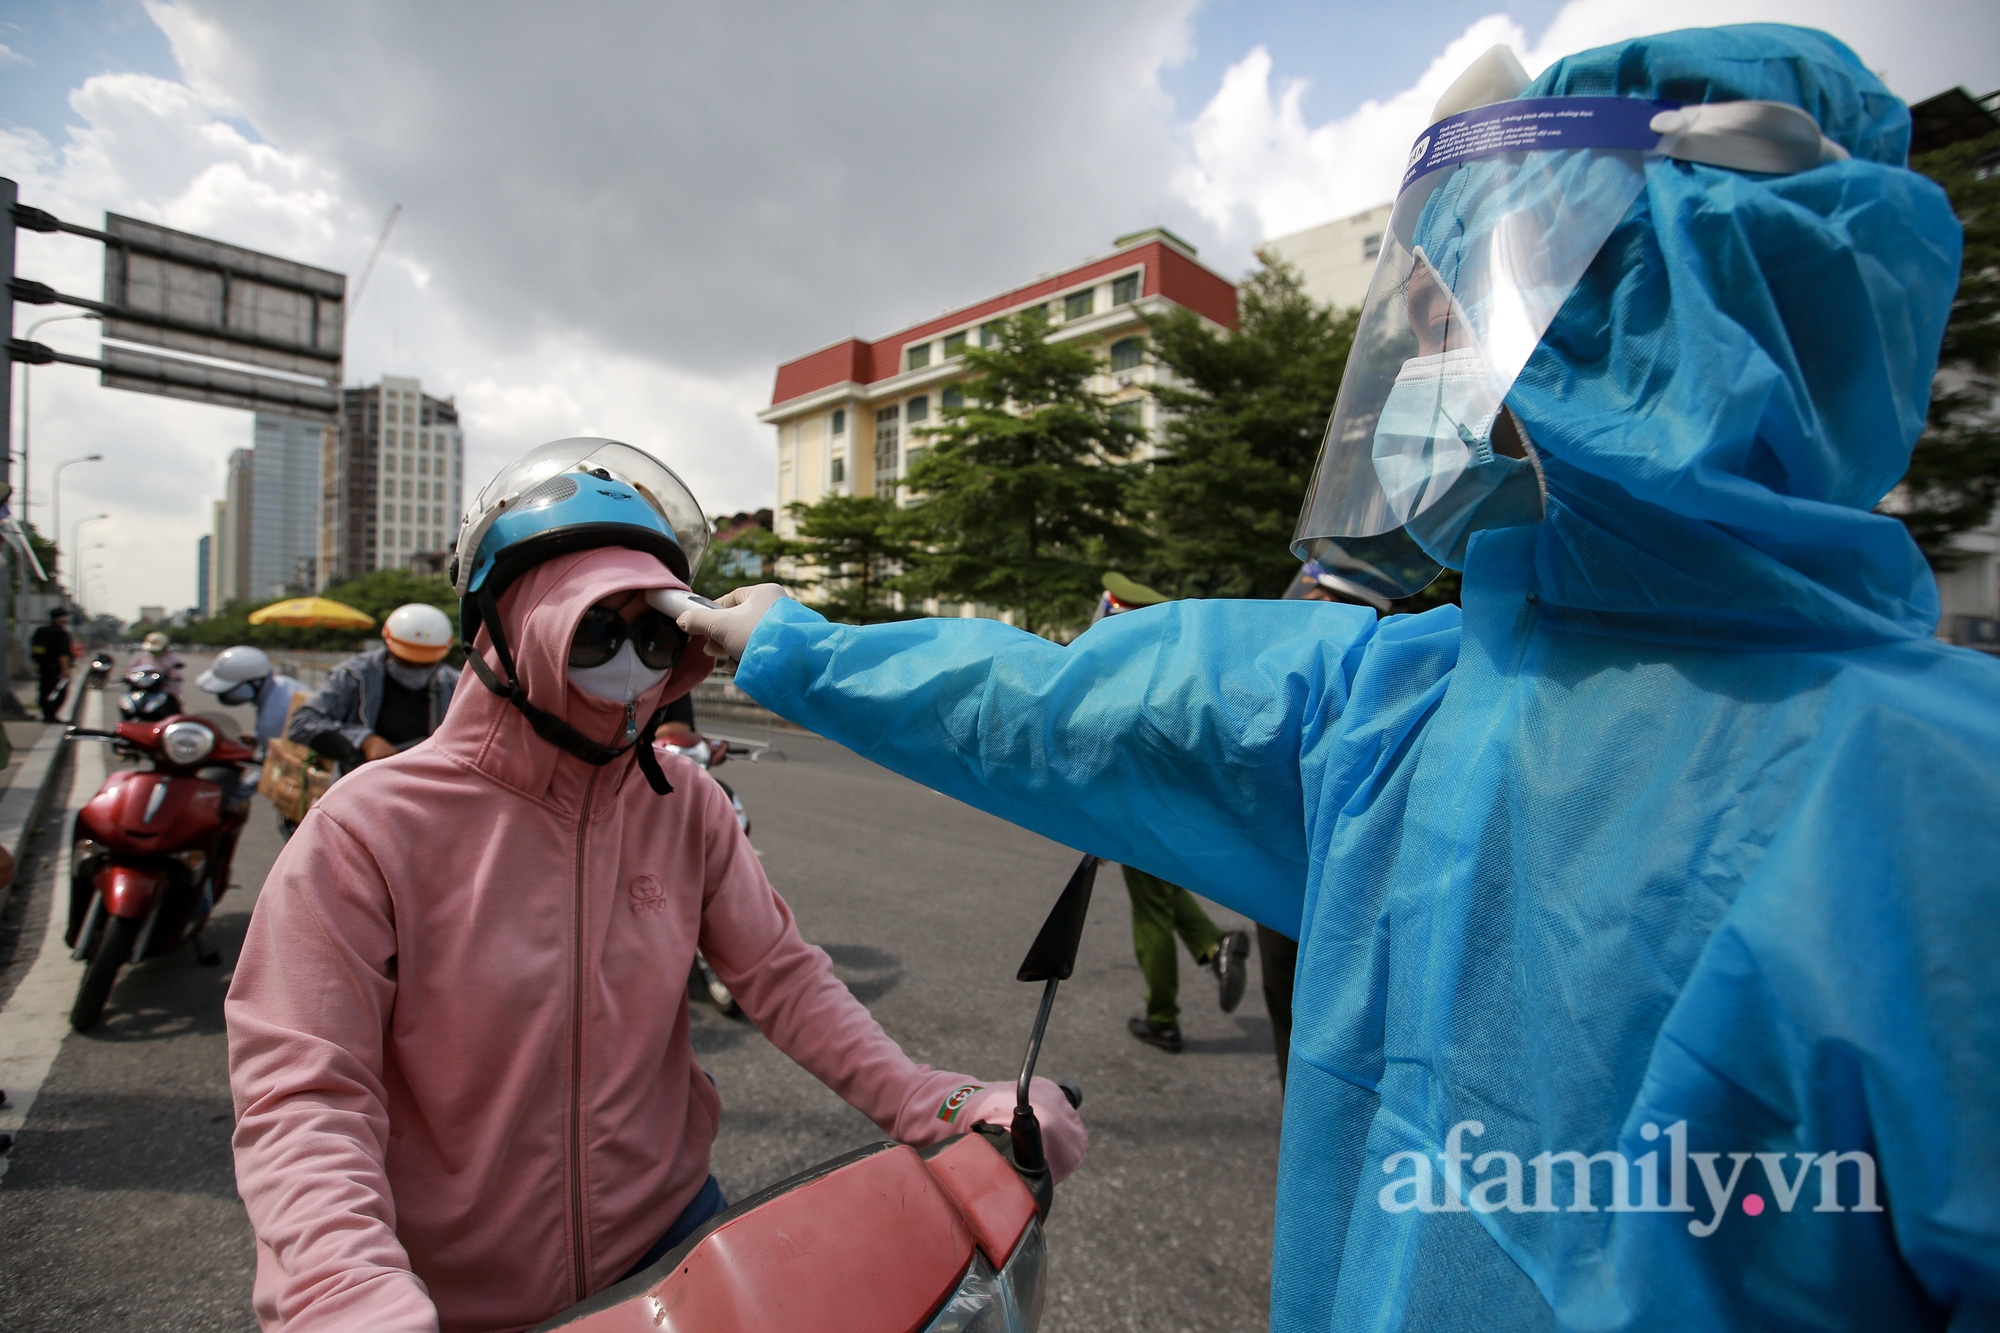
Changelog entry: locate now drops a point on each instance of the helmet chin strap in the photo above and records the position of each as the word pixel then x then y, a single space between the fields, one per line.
pixel 546 724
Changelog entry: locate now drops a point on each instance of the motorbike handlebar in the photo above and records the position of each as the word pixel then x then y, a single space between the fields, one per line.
pixel 91 733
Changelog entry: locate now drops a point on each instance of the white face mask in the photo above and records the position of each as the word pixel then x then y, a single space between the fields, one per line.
pixel 620 680
pixel 1436 422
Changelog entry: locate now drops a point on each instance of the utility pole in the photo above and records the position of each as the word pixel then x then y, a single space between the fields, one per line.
pixel 9 705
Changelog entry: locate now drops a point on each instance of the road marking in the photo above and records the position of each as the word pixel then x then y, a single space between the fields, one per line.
pixel 36 1019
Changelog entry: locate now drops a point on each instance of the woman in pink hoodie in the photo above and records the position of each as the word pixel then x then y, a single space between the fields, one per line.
pixel 458 1031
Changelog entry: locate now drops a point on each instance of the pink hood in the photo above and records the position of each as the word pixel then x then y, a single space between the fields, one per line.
pixel 541 612
pixel 458 1031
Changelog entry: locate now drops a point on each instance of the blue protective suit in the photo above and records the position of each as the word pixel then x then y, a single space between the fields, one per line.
pixel 1681 844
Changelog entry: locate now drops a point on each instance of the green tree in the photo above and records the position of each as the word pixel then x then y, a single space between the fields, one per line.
pixel 45 553
pixel 738 562
pixel 381 591
pixel 1954 479
pixel 1023 492
pixel 1247 414
pixel 377 593
pixel 855 545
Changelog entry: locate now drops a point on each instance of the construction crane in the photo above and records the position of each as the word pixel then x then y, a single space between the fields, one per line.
pixel 368 269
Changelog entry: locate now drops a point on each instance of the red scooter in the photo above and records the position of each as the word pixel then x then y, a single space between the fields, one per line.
pixel 150 853
pixel 886 1239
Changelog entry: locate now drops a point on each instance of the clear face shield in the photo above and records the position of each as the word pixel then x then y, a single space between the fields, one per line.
pixel 545 477
pixel 1501 211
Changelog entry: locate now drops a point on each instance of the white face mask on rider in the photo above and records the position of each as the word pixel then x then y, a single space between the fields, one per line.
pixel 620 680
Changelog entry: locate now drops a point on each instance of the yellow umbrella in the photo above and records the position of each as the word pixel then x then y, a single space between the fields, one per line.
pixel 312 613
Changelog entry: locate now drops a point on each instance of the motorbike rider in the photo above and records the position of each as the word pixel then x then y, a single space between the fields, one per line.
pixel 1161 911
pixel 458 1030
pixel 244 675
pixel 386 699
pixel 53 651
pixel 1674 847
pixel 156 653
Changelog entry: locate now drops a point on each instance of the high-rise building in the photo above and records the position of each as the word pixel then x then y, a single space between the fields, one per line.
pixel 218 523
pixel 203 549
pixel 232 525
pixel 284 504
pixel 391 484
pixel 851 417
pixel 1336 259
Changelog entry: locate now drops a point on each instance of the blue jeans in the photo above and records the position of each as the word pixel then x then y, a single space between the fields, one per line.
pixel 705 1205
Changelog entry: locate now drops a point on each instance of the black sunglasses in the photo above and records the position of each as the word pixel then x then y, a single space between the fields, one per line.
pixel 655 638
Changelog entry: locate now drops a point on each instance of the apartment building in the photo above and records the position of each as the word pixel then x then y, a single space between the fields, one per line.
pixel 392 483
pixel 851 418
pixel 1336 259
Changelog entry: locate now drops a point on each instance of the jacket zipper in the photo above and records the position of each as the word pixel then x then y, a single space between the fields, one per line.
pixel 631 722
pixel 579 1277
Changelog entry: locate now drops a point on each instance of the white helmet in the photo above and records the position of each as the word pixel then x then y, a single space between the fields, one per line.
pixel 236 674
pixel 417 632
pixel 156 643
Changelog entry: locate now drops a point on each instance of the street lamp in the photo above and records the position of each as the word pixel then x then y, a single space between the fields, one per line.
pixel 55 487
pixel 26 382
pixel 76 533
pixel 88 575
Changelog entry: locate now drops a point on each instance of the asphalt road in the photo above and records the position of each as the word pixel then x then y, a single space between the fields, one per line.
pixel 119 1208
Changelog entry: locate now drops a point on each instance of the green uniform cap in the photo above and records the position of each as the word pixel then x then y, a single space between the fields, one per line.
pixel 1130 593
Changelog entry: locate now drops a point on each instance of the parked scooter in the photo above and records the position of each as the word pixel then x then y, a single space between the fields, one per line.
pixel 711 752
pixel 151 851
pixel 943 1240
pixel 101 663
pixel 146 698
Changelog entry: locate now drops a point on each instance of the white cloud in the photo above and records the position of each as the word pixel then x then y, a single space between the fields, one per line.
pixel 620 217
pixel 9 56
pixel 1255 169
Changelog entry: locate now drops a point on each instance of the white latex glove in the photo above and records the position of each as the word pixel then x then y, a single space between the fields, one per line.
pixel 735 617
pixel 1064 1139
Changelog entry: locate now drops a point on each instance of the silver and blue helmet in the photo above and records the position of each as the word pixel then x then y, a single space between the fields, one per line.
pixel 572 495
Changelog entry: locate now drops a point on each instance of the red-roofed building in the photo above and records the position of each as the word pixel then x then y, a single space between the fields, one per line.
pixel 850 417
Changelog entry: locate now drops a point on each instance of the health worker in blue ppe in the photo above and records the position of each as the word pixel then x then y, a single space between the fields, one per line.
pixel 1648 911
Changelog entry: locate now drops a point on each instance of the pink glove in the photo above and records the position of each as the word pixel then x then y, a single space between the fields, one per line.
pixel 1064 1138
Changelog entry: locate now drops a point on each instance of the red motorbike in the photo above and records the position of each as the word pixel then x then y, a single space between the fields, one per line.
pixel 150 853
pixel 887 1239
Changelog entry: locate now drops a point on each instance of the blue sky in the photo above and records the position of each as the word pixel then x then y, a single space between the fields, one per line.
pixel 64 42
pixel 1349 53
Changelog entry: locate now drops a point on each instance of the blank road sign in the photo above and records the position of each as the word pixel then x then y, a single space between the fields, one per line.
pixel 200 382
pixel 191 294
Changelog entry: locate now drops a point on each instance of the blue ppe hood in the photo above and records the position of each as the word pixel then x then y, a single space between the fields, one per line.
pixel 1742 372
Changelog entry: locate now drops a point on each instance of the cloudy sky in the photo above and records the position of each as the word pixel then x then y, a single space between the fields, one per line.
pixel 619 217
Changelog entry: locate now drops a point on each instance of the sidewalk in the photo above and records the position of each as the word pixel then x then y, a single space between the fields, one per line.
pixel 26 781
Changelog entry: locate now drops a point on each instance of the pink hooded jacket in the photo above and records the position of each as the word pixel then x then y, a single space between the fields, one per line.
pixel 458 1031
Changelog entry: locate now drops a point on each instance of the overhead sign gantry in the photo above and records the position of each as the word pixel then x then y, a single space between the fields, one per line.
pixel 231 316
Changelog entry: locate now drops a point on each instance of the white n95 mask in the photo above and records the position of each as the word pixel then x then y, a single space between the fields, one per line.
pixel 621 680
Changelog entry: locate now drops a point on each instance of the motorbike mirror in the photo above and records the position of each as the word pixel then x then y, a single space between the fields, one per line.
pixel 1052 957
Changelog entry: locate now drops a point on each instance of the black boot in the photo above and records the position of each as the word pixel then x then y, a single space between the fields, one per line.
pixel 1231 965
pixel 1166 1036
